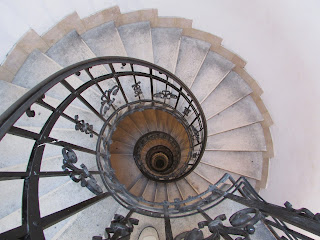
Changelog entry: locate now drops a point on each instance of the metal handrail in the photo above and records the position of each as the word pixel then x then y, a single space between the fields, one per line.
pixel 175 94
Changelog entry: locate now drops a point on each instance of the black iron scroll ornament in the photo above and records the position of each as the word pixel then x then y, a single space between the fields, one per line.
pixel 137 89
pixel 165 94
pixel 106 100
pixel 77 174
pixel 303 212
pixel 82 126
pixel 120 228
pixel 242 223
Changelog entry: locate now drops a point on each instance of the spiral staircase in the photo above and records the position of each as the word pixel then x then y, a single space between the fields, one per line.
pixel 169 120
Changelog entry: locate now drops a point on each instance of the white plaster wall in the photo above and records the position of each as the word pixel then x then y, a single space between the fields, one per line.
pixel 278 38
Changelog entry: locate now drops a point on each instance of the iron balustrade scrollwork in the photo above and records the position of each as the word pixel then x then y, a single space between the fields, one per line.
pixel 82 126
pixel 79 175
pixel 166 99
pixel 109 95
pixel 120 228
pixel 107 101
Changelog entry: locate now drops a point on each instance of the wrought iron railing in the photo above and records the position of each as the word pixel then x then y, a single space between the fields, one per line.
pixel 129 85
pixel 124 84
pixel 255 213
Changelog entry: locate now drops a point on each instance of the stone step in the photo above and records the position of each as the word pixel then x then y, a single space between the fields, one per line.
pixel 248 164
pixel 213 174
pixel 140 122
pixel 104 40
pixel 11 93
pixel 185 189
pixel 179 133
pixel 229 91
pixel 161 192
pixel 75 137
pixel 130 127
pixel 72 49
pixel 14 92
pixel 123 136
pixel 12 190
pixel 120 148
pixel 137 41
pixel 150 191
pixel 56 201
pixel 198 183
pixel 240 114
pixel 213 70
pixel 125 168
pixel 166 42
pixel 139 187
pixel 192 53
pixel 52 202
pixel 38 67
pixel 162 120
pixel 228 208
pixel 249 138
pixel 82 227
pixel 16 155
pixel 173 191
pixel 151 119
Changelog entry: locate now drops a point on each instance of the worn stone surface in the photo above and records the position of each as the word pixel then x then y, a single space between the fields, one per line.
pixel 150 191
pixel 198 183
pixel 31 41
pixel 213 70
pixel 228 92
pixel 55 201
pixel 101 17
pixel 121 163
pixel 185 189
pixel 136 38
pixel 250 81
pixel 72 49
pixel 173 192
pixel 166 43
pixel 104 40
pixel 204 36
pixel 247 164
pixel 69 23
pixel 129 126
pixel 249 138
pixel 214 174
pixel 5 74
pixel 15 59
pixel 122 135
pixel 192 53
pixel 137 16
pixel 102 213
pixel 69 50
pixel 172 22
pixel 38 67
pixel 12 93
pixel 138 188
pixel 161 192
pixel 140 121
pixel 240 114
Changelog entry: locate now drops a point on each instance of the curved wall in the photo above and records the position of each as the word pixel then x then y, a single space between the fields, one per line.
pixel 279 40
